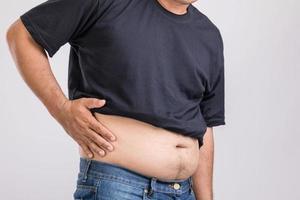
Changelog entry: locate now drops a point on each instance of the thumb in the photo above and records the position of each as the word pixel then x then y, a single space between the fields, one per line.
pixel 93 102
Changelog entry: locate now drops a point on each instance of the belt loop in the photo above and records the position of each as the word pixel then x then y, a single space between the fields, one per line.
pixel 191 184
pixel 88 162
pixel 151 187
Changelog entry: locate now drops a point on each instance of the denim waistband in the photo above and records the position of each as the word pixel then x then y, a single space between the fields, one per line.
pixel 104 170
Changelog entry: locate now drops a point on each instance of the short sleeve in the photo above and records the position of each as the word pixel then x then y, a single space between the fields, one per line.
pixel 55 22
pixel 212 103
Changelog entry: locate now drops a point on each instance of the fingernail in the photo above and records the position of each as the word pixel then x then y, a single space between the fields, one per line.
pixel 110 148
pixel 90 155
pixel 101 152
pixel 112 138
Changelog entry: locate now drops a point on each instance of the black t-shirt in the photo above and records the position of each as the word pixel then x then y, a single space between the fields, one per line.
pixel 148 63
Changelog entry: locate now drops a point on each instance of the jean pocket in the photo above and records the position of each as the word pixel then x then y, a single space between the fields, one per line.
pixel 86 188
pixel 146 194
pixel 116 188
pixel 85 192
pixel 193 196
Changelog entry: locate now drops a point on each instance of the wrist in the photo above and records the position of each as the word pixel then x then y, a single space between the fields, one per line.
pixel 57 108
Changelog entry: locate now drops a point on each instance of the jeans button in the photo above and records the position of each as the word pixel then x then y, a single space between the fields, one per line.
pixel 176 186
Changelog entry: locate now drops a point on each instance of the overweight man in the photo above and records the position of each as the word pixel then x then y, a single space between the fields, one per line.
pixel 145 89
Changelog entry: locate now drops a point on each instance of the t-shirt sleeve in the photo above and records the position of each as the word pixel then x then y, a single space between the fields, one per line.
pixel 212 103
pixel 55 22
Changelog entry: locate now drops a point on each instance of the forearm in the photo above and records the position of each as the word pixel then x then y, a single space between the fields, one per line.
pixel 33 65
pixel 203 177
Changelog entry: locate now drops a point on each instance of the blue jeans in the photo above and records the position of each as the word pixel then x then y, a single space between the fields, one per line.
pixel 99 180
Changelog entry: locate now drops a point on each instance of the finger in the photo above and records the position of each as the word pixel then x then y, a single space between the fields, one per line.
pixel 94 147
pixel 99 140
pixel 97 149
pixel 85 148
pixel 101 129
pixel 93 102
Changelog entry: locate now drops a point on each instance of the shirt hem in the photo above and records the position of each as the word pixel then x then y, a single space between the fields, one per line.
pixel 215 123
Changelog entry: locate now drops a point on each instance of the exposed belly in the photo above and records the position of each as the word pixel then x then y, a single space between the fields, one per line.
pixel 149 150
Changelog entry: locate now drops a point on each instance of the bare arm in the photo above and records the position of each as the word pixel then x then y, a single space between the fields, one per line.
pixel 33 65
pixel 203 177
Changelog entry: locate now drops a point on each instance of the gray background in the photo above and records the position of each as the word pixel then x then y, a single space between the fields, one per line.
pixel 256 153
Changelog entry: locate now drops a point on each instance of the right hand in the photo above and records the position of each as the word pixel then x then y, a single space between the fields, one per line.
pixel 83 127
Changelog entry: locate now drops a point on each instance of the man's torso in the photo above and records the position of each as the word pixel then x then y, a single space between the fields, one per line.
pixel 145 61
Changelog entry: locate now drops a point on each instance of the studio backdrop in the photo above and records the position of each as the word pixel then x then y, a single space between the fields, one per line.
pixel 257 152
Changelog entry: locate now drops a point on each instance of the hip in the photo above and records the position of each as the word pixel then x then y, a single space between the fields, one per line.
pixel 104 181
